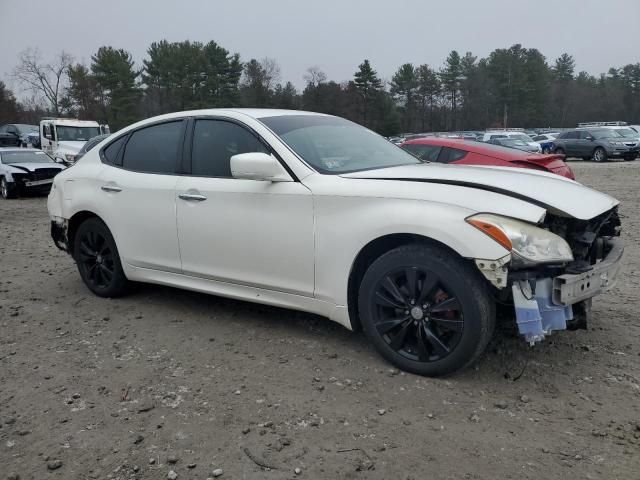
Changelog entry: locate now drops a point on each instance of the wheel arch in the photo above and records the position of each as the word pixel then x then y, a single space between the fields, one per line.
pixel 75 221
pixel 369 253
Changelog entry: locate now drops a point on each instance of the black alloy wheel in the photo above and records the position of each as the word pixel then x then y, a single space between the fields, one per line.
pixel 98 260
pixel 425 309
pixel 417 315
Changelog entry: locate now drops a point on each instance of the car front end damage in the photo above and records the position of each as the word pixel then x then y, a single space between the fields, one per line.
pixel 583 259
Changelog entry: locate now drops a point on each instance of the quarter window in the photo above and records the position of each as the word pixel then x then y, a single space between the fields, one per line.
pixel 154 149
pixel 424 152
pixel 215 142
pixel 110 152
pixel 449 155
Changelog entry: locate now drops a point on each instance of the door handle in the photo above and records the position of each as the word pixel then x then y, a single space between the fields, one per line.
pixel 195 197
pixel 111 188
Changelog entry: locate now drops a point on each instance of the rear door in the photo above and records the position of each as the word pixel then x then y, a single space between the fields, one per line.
pixel 137 191
pixel 572 143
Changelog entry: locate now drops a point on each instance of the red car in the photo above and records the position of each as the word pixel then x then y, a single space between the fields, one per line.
pixel 464 152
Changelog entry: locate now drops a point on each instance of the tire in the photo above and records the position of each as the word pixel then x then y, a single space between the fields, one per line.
pixel 98 260
pixel 559 151
pixel 7 189
pixel 422 337
pixel 599 155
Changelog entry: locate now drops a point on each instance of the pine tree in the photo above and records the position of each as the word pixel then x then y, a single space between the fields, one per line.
pixel 368 85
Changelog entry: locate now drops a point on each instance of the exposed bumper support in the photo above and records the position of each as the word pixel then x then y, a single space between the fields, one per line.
pixel 545 305
pixel 573 288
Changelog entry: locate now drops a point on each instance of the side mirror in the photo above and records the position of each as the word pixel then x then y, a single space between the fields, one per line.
pixel 258 166
pixel 590 138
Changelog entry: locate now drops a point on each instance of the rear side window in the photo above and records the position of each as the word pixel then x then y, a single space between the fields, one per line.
pixel 110 152
pixel 154 149
pixel 497 136
pixel 449 155
pixel 571 135
pixel 425 152
pixel 215 142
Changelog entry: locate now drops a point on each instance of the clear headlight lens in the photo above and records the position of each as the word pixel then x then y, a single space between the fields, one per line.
pixel 70 158
pixel 528 242
pixel 616 144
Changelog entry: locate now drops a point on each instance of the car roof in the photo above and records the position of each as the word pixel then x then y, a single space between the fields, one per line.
pixel 471 146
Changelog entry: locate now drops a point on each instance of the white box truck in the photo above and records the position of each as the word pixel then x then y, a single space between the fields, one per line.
pixel 62 138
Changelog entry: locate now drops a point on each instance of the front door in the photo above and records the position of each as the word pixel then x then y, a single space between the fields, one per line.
pixel 247 232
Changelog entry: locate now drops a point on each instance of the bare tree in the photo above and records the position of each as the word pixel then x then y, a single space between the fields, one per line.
pixel 44 80
pixel 271 71
pixel 315 76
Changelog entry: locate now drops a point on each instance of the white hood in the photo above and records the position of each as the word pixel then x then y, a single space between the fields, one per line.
pixel 31 167
pixel 557 194
pixel 69 147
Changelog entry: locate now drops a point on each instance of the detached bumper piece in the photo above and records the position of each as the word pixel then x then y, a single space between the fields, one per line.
pixel 536 315
pixel 545 305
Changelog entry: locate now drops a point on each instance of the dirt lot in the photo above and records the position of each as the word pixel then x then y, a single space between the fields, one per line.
pixel 171 381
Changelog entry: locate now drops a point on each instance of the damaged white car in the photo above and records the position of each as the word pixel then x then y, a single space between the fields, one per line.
pixel 313 212
pixel 26 171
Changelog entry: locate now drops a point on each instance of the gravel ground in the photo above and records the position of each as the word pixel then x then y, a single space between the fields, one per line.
pixel 172 384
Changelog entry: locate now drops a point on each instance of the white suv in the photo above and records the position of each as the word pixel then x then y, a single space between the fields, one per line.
pixel 313 212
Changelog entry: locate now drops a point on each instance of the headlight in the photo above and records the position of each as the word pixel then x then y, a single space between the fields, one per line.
pixel 528 243
pixel 616 144
pixel 70 158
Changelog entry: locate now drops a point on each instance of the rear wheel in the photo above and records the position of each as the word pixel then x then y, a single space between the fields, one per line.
pixel 7 189
pixel 426 311
pixel 96 255
pixel 559 151
pixel 599 155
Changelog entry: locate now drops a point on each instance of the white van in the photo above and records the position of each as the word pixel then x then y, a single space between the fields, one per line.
pixel 62 138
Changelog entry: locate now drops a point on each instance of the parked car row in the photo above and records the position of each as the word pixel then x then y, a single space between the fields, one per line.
pixel 598 141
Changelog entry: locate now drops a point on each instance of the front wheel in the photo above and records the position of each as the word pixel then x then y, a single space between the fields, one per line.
pixel 599 155
pixel 96 255
pixel 7 190
pixel 425 310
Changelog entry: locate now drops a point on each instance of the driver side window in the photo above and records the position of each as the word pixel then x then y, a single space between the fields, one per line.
pixel 215 142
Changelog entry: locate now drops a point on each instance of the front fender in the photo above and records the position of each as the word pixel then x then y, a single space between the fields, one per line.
pixel 345 225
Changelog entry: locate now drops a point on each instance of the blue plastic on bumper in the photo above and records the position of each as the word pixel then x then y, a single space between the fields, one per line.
pixel 536 314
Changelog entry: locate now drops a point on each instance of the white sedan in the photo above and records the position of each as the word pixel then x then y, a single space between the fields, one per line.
pixel 313 212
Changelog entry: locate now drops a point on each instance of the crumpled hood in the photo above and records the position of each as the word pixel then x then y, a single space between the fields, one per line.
pixel 69 147
pixel 557 194
pixel 31 167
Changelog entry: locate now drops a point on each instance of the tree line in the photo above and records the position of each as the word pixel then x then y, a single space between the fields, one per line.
pixel 511 87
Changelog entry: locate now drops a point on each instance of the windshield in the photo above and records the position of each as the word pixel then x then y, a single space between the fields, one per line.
pixel 513 141
pixel 22 128
pixel 25 157
pixel 521 136
pixel 604 133
pixel 627 132
pixel 76 134
pixel 334 145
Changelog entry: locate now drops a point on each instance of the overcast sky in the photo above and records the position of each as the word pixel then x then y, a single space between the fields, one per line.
pixel 335 35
